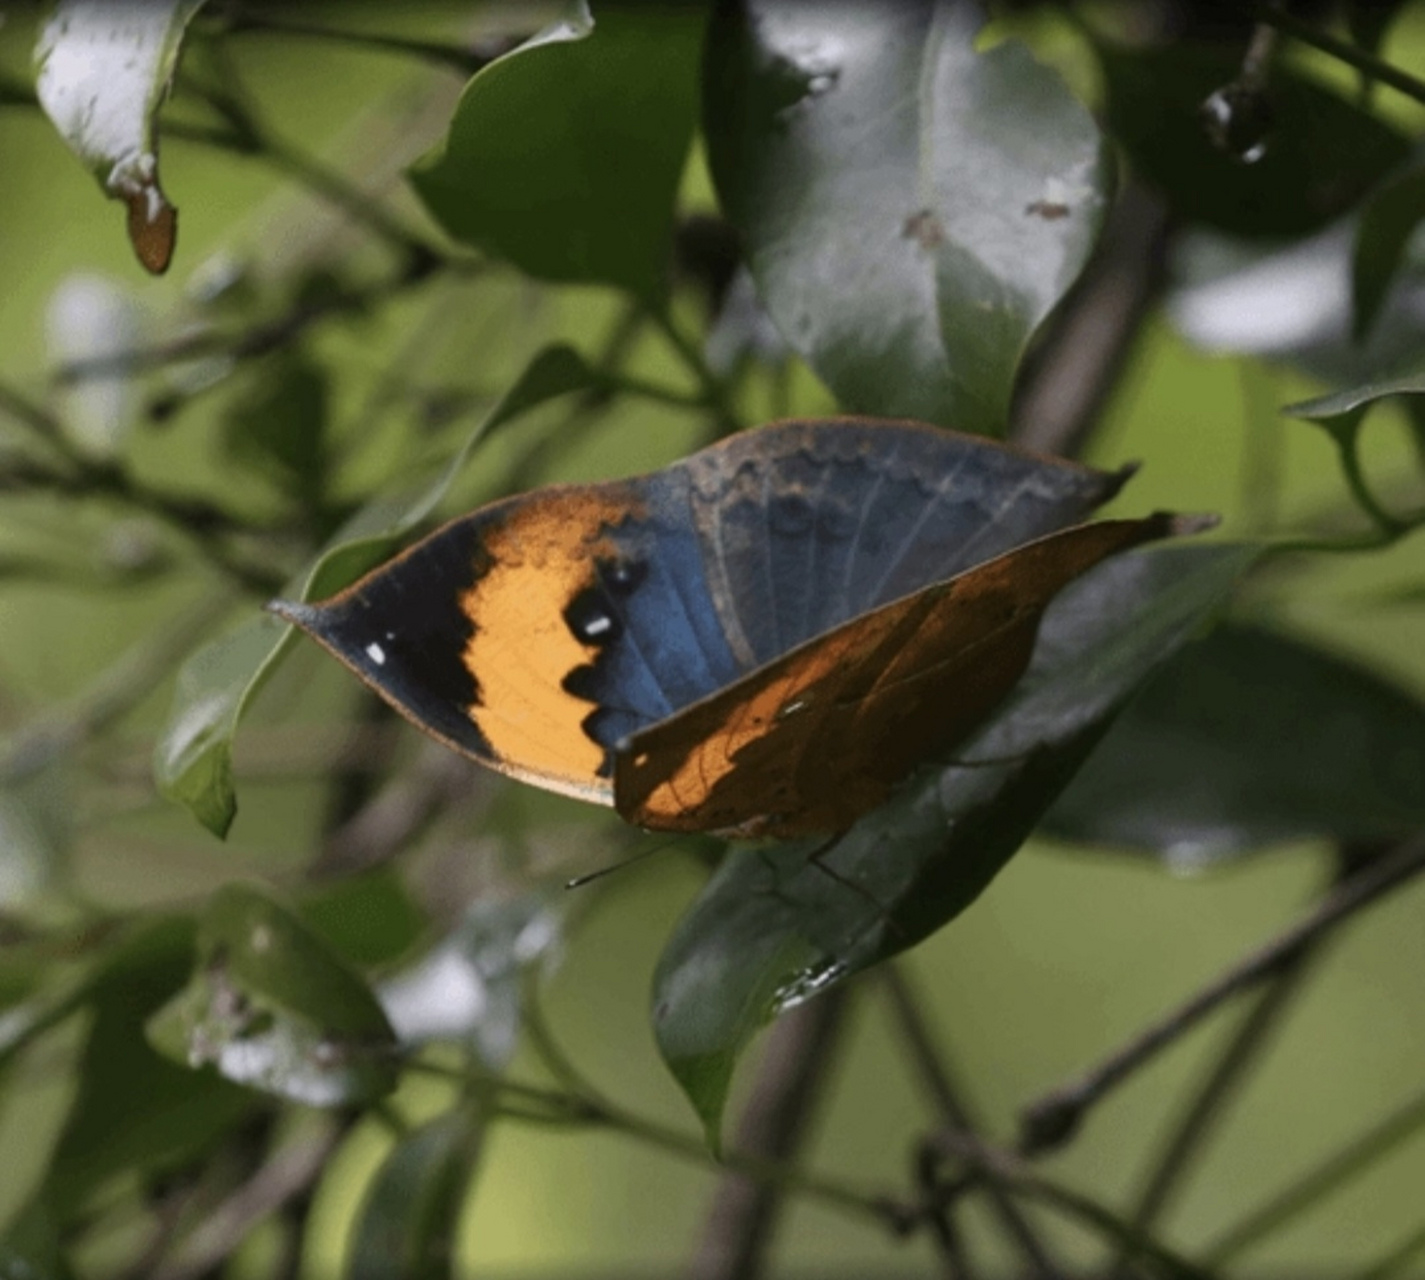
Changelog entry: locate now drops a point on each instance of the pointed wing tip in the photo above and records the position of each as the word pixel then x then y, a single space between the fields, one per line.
pixel 296 612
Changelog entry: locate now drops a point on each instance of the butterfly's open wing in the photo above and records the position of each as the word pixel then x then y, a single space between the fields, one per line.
pixel 811 741
pixel 539 633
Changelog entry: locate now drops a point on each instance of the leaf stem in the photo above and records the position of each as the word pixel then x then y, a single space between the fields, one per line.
pixel 714 393
pixel 1051 1121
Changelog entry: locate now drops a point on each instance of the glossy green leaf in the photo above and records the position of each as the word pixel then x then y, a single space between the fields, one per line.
pixel 193 756
pixel 1325 155
pixel 1246 739
pixel 468 987
pixel 912 209
pixel 778 924
pixel 271 1006
pixel 135 1111
pixel 1346 407
pixel 407 1223
pixel 564 156
pixel 104 69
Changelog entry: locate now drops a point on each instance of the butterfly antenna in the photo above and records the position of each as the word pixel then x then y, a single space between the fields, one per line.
pixel 578 882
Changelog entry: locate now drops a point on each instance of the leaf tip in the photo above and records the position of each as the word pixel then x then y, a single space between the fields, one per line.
pixel 153 228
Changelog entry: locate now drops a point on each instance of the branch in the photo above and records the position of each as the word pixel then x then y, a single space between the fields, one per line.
pixel 1067 379
pixel 1226 1077
pixel 792 1077
pixel 935 1079
pixel 1276 15
pixel 1337 1169
pixel 1050 1122
pixel 286 1175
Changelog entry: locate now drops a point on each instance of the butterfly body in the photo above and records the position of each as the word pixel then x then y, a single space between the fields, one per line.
pixel 762 639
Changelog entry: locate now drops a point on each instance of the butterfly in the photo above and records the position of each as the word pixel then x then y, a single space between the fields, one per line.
pixel 762 639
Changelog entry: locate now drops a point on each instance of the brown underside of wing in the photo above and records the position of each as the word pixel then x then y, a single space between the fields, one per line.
pixel 808 743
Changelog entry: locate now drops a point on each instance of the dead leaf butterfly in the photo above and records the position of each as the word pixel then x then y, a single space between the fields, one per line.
pixel 761 639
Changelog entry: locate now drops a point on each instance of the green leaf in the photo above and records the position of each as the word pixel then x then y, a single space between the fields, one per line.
pixel 776 925
pixel 1345 408
pixel 912 209
pixel 407 1223
pixel 134 1111
pixel 193 756
pixel 273 1007
pixel 277 429
pixel 1249 738
pixel 104 69
pixel 564 156
pixel 1323 154
pixel 468 987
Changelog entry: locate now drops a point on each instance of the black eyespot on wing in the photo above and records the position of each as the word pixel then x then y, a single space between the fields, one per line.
pixel 592 618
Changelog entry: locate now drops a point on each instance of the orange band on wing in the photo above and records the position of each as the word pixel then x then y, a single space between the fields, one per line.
pixel 541 556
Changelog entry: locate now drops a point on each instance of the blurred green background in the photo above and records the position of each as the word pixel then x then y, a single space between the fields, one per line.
pixel 1069 951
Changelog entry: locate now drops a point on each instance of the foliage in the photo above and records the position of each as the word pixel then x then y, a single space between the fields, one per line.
pixel 434 255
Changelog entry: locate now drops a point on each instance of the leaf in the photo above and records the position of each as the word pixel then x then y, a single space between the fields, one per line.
pixel 193 756
pixel 271 1006
pixel 104 69
pixel 1249 738
pixel 912 209
pixel 1322 154
pixel 1345 408
pixel 1387 221
pixel 779 924
pixel 406 1225
pixel 468 986
pixel 564 156
pixel 135 1111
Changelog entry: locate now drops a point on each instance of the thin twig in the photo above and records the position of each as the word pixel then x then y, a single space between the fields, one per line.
pixel 1052 1121
pixel 1320 1182
pixel 791 1079
pixel 1277 15
pixel 1399 1257
pixel 934 1074
pixel 846 1197
pixel 286 1174
pixel 1226 1077
pixel 980 1162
